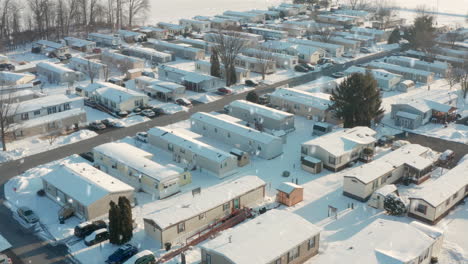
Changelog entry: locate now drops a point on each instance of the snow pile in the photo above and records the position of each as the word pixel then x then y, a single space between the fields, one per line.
pixel 206 99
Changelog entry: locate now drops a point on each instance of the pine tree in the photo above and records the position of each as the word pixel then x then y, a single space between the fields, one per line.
pixel 394 205
pixel 126 219
pixel 232 72
pixel 215 65
pixel 421 35
pixel 252 96
pixel 357 100
pixel 114 224
pixel 394 37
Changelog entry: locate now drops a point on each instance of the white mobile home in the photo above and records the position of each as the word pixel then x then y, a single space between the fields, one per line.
pixel 58 73
pixel 181 217
pixel 408 73
pixel 13 78
pixel 386 81
pixel 135 167
pixel 348 44
pixel 435 199
pixel 313 105
pixel 155 57
pixel 49 47
pixel 87 189
pixel 269 14
pixel 131 36
pixel 195 25
pixel 154 32
pixel 180 50
pixel 246 17
pixel 160 89
pixel 305 53
pixel 120 61
pixel 286 238
pixel 192 81
pixel 269 34
pixel 441 69
pixel 282 60
pixel 338 19
pixel 192 153
pixel 336 150
pixel 80 44
pixel 174 29
pixel 255 64
pixel 119 99
pixel 411 162
pixel 89 66
pixel 228 130
pixel 261 116
pixel 198 43
pixel 377 34
pixel 293 30
pixel 106 40
pixel 332 49
pixel 205 68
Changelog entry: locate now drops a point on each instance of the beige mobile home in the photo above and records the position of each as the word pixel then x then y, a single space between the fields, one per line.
pixel 151 55
pixel 336 150
pixel 12 78
pixel 159 89
pixel 304 53
pixel 154 32
pixel 80 44
pixel 255 64
pixel 266 118
pixel 229 130
pixel 87 189
pixel 441 69
pixel 412 162
pixel 135 167
pixel 205 68
pixel 181 217
pixel 435 199
pixel 285 238
pixel 282 60
pixel 313 105
pixel 408 73
pixel 89 67
pixel 191 153
pixel 332 49
pixel 58 73
pixel 184 51
pixel 192 81
pixel 120 61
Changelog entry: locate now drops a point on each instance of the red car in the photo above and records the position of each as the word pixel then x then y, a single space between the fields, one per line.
pixel 97 50
pixel 224 91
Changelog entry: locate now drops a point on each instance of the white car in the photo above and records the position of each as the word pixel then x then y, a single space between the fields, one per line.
pixel 148 113
pixel 142 136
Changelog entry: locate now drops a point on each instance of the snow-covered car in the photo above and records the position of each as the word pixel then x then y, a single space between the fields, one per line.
pixel 338 74
pixel 96 237
pixel 348 55
pixel 183 102
pixel 224 91
pixel 86 228
pixel 446 156
pixel 143 257
pixel 109 122
pixel 365 50
pixel 97 125
pixel 27 215
pixel 300 68
pixel 142 136
pixel 148 113
pixel 399 143
pixel 250 83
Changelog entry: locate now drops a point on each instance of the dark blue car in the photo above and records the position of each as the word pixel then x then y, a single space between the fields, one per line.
pixel 122 254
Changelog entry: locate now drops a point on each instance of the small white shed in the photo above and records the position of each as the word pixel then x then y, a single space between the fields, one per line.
pixel 378 197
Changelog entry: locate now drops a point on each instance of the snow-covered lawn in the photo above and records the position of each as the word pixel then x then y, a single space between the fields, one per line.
pixel 33 145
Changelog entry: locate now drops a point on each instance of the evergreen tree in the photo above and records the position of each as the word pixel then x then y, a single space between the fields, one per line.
pixel 394 37
pixel 232 72
pixel 126 219
pixel 252 96
pixel 421 35
pixel 357 100
pixel 114 224
pixel 215 65
pixel 394 205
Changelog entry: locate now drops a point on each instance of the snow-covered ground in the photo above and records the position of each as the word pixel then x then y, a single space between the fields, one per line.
pixel 320 191
pixel 33 145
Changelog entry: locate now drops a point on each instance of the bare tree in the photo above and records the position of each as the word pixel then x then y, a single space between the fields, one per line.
pixel 358 4
pixel 8 109
pixel 91 71
pixel 324 34
pixel 51 138
pixel 136 7
pixel 452 37
pixel 385 12
pixel 451 78
pixel 229 46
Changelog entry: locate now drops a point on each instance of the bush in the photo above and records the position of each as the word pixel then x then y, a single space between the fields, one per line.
pixel 252 96
pixel 394 205
pixel 41 192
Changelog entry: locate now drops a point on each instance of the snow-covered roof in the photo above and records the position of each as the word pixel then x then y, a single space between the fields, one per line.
pixel 319 44
pixel 118 95
pixel 273 54
pixel 439 100
pixel 314 100
pixel 259 29
pixel 57 68
pixel 149 52
pixel 151 29
pixel 128 33
pixel 261 110
pixel 386 190
pixel 6 95
pixel 438 191
pixel 371 31
pixel 170 86
pixel 139 160
pixel 185 206
pixel 416 62
pixel 103 36
pixel 76 42
pixel 382 241
pixel 342 18
pixel 84 183
pixel 413 155
pixel 44 102
pixel 343 141
pixel 13 77
pixel 84 61
pixel 253 60
pixel 239 13
pixel 166 44
pixel 50 118
pixel 398 68
pixel 226 123
pixel 119 56
pixel 189 76
pixel 186 139
pixel 288 187
pixel 279 231
pixel 49 44
pixel 170 26
pixel 193 21
pixel 378 74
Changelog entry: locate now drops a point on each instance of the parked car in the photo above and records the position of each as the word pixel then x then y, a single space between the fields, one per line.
pixel 338 74
pixel 142 136
pixel 122 254
pixel 62 58
pixel 446 156
pixel 4 259
pixel 68 56
pixel 109 122
pixel 224 91
pixel 137 110
pixel 97 125
pixel 365 50
pixel 148 113
pixel 86 228
pixel 327 65
pixel 300 68
pixel 325 60
pixel 158 110
pixel 96 237
pixel 65 212
pixel 27 215
pixel 97 50
pixel 183 102
pixel 348 55
pixel 7 67
pixel 143 257
pixel 250 83
pixel 308 66
pixel 122 113
pixel 89 156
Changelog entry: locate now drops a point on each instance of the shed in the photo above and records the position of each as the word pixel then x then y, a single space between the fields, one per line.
pixel 289 193
pixel 311 164
pixel 243 158
pixel 321 128
pixel 378 197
